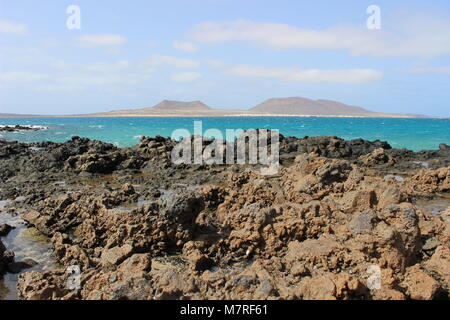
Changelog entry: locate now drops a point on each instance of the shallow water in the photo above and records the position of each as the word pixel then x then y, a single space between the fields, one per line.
pixel 436 205
pixel 414 134
pixel 396 178
pixel 25 243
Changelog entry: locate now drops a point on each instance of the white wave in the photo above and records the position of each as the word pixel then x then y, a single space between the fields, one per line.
pixel 37 127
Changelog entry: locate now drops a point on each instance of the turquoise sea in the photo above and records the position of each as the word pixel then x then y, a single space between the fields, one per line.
pixel 414 134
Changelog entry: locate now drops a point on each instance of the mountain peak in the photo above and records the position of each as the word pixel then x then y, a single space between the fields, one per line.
pixel 181 105
pixel 304 106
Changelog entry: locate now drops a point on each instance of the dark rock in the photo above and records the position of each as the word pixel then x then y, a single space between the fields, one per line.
pixel 363 222
pixel 5 230
pixel 17 267
pixel 182 208
pixel 333 172
pixel 18 127
pixel 2 257
pixel 334 147
pixel 6 257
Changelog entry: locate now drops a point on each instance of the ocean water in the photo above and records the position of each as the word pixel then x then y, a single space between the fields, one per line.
pixel 414 134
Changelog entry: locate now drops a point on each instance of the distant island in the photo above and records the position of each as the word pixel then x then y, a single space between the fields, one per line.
pixel 295 106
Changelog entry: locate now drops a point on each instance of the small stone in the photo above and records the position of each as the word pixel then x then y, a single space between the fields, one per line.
pixel 113 278
pixel 431 244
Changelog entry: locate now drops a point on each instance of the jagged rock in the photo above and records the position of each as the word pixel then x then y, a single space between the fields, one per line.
pixel 376 157
pixel 363 222
pixel 429 181
pixel 116 255
pixel 420 286
pixel 17 128
pixel 438 265
pixel 42 286
pixel 68 254
pixel 335 147
pixel 331 287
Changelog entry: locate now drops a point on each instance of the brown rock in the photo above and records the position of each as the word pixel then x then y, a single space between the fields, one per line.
pixel 388 294
pixel 137 263
pixel 439 265
pixel 116 255
pixel 376 157
pixel 420 286
pixel 41 286
pixel 331 287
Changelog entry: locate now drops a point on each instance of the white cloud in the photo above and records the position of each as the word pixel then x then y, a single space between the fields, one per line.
pixel 414 35
pixel 100 40
pixel 97 67
pixel 185 46
pixel 112 51
pixel 21 76
pixel 10 27
pixel 107 66
pixel 216 64
pixel 65 76
pixel 60 64
pixel 443 70
pixel 159 60
pixel 185 77
pixel 101 80
pixel 59 88
pixel 295 74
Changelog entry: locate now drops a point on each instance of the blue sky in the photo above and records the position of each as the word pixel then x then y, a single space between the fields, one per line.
pixel 227 53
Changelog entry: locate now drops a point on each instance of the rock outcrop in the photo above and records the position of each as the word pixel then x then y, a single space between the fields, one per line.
pixel 328 225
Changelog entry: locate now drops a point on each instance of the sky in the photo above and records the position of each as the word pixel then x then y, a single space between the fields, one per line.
pixel 227 53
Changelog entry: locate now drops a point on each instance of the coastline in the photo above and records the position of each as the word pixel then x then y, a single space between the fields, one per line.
pixel 190 115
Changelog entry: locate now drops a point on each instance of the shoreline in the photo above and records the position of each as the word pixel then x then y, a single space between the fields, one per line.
pixel 439 146
pixel 215 116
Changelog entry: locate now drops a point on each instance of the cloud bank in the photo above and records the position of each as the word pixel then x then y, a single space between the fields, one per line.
pixel 12 28
pixel 100 40
pixel 185 46
pixel 422 36
pixel 296 74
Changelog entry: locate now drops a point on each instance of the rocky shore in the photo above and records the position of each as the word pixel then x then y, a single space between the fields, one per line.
pixel 140 227
pixel 18 128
